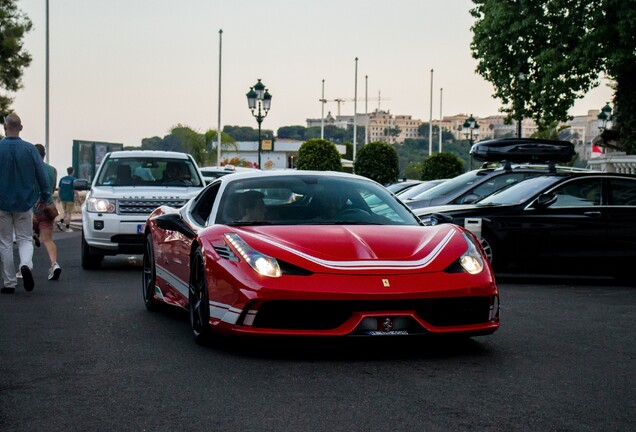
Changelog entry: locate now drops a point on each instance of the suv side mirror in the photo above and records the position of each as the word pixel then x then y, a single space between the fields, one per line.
pixel 545 200
pixel 81 185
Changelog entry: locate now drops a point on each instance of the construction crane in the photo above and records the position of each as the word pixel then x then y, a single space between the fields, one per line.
pixel 339 101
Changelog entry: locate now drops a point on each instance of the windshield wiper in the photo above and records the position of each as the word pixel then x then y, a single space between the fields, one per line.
pixel 248 223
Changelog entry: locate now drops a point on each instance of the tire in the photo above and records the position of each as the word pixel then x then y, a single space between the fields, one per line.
pixel 149 278
pixel 198 300
pixel 90 261
pixel 489 246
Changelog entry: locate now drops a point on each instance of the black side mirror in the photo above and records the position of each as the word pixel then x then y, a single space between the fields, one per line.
pixel 174 222
pixel 81 185
pixel 440 218
pixel 545 200
pixel 469 199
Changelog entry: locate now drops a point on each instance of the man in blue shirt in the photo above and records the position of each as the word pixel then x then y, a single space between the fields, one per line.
pixel 67 198
pixel 20 168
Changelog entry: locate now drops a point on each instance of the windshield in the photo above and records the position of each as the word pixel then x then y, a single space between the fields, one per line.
pixel 310 200
pixel 452 185
pixel 148 171
pixel 519 192
pixel 415 192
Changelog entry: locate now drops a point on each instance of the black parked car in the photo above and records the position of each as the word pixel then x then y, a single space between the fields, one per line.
pixel 539 156
pixel 558 223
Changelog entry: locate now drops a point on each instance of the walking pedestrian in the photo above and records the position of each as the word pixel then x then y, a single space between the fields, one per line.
pixel 44 221
pixel 67 198
pixel 20 168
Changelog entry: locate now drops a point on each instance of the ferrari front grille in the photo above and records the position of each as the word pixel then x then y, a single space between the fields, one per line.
pixel 141 206
pixel 325 315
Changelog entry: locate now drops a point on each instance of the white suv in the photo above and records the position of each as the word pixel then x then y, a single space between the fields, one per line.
pixel 128 186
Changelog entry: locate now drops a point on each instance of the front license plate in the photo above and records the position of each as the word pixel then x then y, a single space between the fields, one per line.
pixel 388 333
pixel 141 228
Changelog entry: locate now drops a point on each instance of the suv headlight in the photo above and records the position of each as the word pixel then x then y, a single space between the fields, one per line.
pixel 471 260
pixel 100 205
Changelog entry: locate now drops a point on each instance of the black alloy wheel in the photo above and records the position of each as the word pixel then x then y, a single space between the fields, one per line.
pixel 488 244
pixel 199 304
pixel 149 275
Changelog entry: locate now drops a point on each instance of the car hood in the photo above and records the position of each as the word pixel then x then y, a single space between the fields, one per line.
pixel 359 247
pixel 144 192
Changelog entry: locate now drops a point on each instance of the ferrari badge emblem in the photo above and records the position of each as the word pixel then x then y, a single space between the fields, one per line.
pixel 386 283
pixel 388 324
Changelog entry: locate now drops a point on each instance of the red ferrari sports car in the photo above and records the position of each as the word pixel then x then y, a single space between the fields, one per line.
pixel 308 253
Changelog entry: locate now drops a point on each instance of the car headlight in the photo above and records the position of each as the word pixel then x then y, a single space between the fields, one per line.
pixel 100 205
pixel 471 260
pixel 262 264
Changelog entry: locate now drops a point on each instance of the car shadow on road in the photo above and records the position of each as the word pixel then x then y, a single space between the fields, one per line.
pixel 575 280
pixel 379 348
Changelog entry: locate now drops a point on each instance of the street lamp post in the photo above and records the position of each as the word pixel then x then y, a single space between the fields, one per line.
pixel 605 117
pixel 259 101
pixel 470 129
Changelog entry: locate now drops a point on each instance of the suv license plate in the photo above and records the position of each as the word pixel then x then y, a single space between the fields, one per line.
pixel 141 228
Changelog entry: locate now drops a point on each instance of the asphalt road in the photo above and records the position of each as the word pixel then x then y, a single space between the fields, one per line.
pixel 83 354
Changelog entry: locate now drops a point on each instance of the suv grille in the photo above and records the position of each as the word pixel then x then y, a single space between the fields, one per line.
pixel 140 206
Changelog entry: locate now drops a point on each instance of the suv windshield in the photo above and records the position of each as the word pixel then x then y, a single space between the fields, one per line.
pixel 148 171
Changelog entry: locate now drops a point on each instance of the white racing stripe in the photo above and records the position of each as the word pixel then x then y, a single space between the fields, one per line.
pixel 366 264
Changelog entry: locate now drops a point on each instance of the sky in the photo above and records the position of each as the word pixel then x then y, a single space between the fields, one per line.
pixel 124 70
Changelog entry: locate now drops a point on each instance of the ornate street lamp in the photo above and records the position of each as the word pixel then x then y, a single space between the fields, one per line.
pixel 470 128
pixel 605 117
pixel 259 102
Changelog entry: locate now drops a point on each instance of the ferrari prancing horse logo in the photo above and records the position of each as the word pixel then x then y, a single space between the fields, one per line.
pixel 386 283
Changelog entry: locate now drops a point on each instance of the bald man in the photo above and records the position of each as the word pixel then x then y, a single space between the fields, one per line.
pixel 21 167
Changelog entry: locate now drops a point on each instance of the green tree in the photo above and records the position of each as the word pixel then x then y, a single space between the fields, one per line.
pixel 246 133
pixel 413 170
pixel 541 56
pixel 441 166
pixel 292 132
pixel 183 139
pixel 14 24
pixel 320 155
pixel 377 161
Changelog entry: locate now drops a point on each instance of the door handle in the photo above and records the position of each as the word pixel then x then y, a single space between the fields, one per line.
pixel 592 213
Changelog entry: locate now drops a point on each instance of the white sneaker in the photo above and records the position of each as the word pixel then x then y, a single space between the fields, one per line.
pixel 54 272
pixel 69 229
pixel 18 275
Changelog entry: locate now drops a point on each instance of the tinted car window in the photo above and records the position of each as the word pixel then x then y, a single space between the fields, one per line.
pixel 310 200
pixel 622 192
pixel 578 193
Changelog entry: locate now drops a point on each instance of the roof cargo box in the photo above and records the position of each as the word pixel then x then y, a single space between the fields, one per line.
pixel 521 150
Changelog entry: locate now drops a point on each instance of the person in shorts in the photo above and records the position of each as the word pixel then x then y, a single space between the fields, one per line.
pixel 44 222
